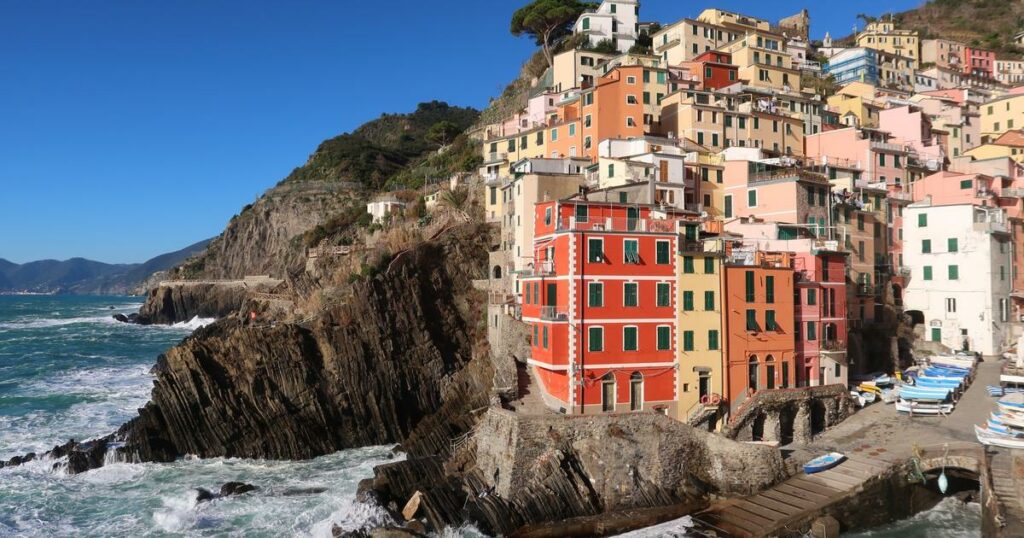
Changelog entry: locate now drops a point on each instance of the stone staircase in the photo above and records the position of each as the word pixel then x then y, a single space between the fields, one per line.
pixel 1005 488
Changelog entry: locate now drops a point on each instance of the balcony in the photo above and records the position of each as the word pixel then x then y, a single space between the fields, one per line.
pixel 610 224
pixel 901 195
pixel 546 268
pixel 885 146
pixel 553 313
pixel 833 346
pixel 1012 193
pixel 495 157
pixel 865 290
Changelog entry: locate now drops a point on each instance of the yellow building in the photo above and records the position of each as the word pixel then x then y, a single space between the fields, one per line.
pixel 763 61
pixel 686 39
pixel 577 68
pixel 729 19
pixel 705 119
pixel 884 36
pixel 700 338
pixel 1001 115
pixel 1009 144
pixel 856 105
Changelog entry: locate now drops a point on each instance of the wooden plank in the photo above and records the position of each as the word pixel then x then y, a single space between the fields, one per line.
pixel 815 498
pixel 825 491
pixel 858 475
pixel 750 520
pixel 830 481
pixel 857 465
pixel 833 474
pixel 772 504
pixel 785 498
pixel 768 513
pixel 726 518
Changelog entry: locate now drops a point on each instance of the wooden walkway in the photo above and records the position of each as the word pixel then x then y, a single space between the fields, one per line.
pixel 800 496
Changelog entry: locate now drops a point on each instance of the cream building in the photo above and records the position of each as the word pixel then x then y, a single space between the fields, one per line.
pixel 617 21
pixel 885 37
pixel 1000 115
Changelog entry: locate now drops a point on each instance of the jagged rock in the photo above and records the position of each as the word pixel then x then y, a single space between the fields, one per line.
pixel 236 488
pixel 302 491
pixel 176 302
pixel 122 318
pixel 203 495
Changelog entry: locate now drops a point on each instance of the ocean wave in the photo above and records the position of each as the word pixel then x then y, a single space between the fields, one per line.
pixel 55 322
pixel 192 324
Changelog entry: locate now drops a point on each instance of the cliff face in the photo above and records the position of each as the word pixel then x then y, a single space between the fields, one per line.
pixel 172 302
pixel 365 372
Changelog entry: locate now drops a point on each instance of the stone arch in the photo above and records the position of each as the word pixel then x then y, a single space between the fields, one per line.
pixel 787 423
pixel 496 272
pixel 757 427
pixel 916 316
pixel 819 417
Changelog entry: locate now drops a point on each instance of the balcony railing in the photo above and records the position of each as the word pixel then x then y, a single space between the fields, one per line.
pixel 865 289
pixel 885 146
pixel 545 268
pixel 833 345
pixel 553 313
pixel 611 224
pixel 495 157
pixel 1013 193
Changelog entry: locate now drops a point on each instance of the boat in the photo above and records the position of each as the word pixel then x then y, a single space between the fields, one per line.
pixel 917 407
pixel 864 387
pixel 909 392
pixel 889 395
pixel 990 438
pixel 1003 429
pixel 869 397
pixel 1013 402
pixel 938 382
pixel 858 400
pixel 952 361
pixel 823 463
pixel 1009 418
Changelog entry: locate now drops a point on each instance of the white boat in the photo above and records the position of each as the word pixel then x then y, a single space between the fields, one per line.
pixel 990 438
pixel 998 427
pixel 915 407
pixel 1009 418
pixel 1012 403
pixel 858 400
pixel 869 397
pixel 951 361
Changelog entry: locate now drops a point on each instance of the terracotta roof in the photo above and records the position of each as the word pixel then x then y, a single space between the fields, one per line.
pixel 1011 138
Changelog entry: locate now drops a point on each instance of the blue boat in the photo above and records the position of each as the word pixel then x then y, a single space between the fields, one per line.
pixel 937 383
pixel 921 393
pixel 823 463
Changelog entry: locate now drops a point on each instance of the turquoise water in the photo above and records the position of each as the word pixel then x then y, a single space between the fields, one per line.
pixel 68 370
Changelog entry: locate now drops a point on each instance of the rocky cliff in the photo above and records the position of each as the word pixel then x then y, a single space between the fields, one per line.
pixel 364 372
pixel 171 302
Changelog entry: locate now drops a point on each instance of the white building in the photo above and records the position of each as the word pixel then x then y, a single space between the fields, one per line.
pixel 383 206
pixel 617 21
pixel 1009 71
pixel 659 161
pixel 960 261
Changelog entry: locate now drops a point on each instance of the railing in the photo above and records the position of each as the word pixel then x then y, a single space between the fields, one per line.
pixel 865 289
pixel 496 157
pixel 340 250
pixel 901 195
pixel 1013 193
pixel 785 173
pixel 885 146
pixel 496 298
pixel 545 268
pixel 711 159
pixel 709 402
pixel 613 224
pixel 553 313
pixel 833 345
pixel 830 245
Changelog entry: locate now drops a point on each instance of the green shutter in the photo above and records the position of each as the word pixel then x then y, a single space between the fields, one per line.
pixel 596 294
pixel 769 321
pixel 812 331
pixel 687 301
pixel 545 334
pixel 769 289
pixel 595 250
pixel 936 334
pixel 952 244
pixel 812 297
pixel 926 246
pixel 632 251
pixel 966 184
pixel 688 264
pixel 752 320
pixel 664 294
pixel 749 285
pixel 581 213
pixel 927 272
pixel 752 198
pixel 709 301
pixel 664 338
pixel 687 340
pixel 629 339
pixel 629 294
pixel 595 337
pixel 709 266
pixel 712 340
pixel 663 253
pixel 954 272
pixel 728 207
pixel 922 220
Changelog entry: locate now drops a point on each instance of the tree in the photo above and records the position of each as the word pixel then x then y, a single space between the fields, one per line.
pixel 546 21
pixel 443 132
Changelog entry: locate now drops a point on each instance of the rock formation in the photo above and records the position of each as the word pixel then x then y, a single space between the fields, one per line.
pixel 173 302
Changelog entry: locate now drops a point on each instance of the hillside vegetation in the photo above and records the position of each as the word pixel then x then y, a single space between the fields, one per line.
pixel 376 151
pixel 989 24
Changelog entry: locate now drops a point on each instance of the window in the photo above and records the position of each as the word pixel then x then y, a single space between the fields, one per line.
pixel 662 257
pixel 586 120
pixel 595 339
pixel 966 184
pixel 629 294
pixel 664 294
pixel 647 98
pixel 595 250
pixel 752 198
pixel 709 301
pixel 687 340
pixel 952 244
pixel 752 320
pixel 554 135
pixel 629 339
pixel 631 80
pixel 712 340
pixel 582 213
pixel 951 305
pixel 536 340
pixel 631 99
pixel 586 22
pixel 860 222
pixel 688 264
pixel 728 206
pixel 749 286
pixel 630 250
pixel 881 159
pixel 547 217
pixel 926 246
pixel 572 129
pixel 611 170
pixel 687 301
pixel 709 266
pixel 664 338
pixel 922 220
pixel 954 272
pixel 595 294
pixel 812 331
pixel 812 297
pixel 927 272
pixel 544 335
pixel 769 289
pixel 587 142
pixel 769 321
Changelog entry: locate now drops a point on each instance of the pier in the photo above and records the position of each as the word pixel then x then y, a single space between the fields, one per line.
pixel 883 448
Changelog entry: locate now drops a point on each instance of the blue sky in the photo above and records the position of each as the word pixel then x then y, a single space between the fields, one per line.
pixel 129 129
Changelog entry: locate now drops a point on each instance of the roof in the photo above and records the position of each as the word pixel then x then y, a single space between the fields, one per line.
pixel 1011 138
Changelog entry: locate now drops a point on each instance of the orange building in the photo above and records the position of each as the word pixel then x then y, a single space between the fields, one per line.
pixel 759 323
pixel 600 304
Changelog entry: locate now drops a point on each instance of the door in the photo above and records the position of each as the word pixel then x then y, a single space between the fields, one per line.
pixel 785 375
pixel 821 376
pixel 770 375
pixel 636 392
pixel 704 387
pixel 936 334
pixel 551 296
pixel 632 218
pixel 663 171
pixel 608 395
pixel 752 373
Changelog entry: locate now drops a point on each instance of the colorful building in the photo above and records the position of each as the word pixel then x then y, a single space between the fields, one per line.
pixel 600 304
pixel 713 69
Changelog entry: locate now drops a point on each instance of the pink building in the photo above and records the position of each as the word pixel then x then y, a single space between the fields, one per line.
pixel 874 152
pixel 979 62
pixel 912 126
pixel 775 193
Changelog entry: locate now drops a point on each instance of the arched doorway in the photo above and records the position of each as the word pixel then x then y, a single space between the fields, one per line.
pixel 769 372
pixel 636 391
pixel 752 373
pixel 831 332
pixel 608 393
pixel 817 417
pixel 757 427
pixel 497 272
pixel 787 423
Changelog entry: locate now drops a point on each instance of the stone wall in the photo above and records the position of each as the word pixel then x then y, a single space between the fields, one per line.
pixel 788 415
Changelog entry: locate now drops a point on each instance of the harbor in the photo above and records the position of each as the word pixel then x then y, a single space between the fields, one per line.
pixel 887 453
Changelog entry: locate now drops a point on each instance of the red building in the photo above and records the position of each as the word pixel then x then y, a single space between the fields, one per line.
pixel 821 326
pixel 714 69
pixel 759 323
pixel 599 302
pixel 979 62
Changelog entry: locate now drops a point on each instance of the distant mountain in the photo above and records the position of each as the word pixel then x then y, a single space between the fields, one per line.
pixel 79 276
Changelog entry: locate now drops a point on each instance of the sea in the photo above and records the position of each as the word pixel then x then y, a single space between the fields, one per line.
pixel 69 370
